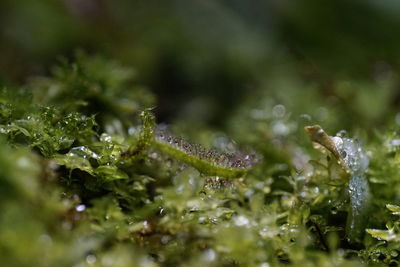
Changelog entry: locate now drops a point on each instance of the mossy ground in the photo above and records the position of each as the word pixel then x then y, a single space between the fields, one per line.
pixel 82 183
pixel 73 194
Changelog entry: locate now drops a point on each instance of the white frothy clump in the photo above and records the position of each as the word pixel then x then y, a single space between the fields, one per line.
pixel 357 162
pixel 352 154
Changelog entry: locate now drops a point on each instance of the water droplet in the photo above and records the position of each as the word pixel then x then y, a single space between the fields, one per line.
pixel 80 208
pixel 395 142
pixel 82 151
pixel 249 193
pixel 165 239
pixel 279 128
pixel 341 133
pixel 161 212
pixel 278 111
pixel 338 142
pixel 146 226
pixel 132 131
pixel 241 220
pixel 209 255
pixel 4 130
pixel 179 190
pixel 306 117
pixel 90 259
pixel 105 138
pixel 23 162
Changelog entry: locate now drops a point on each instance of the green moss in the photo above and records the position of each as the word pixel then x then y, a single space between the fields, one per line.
pixel 88 179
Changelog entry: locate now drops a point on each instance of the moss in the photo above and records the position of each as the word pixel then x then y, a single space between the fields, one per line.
pixel 88 179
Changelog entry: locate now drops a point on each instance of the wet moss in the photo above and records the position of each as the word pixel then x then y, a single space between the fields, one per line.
pixel 87 179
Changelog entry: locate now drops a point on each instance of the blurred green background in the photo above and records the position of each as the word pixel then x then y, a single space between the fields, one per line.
pixel 203 58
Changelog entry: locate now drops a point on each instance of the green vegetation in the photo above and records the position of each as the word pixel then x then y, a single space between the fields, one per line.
pixel 89 180
pixel 183 133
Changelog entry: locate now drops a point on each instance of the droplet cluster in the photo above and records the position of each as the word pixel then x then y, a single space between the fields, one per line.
pixel 352 154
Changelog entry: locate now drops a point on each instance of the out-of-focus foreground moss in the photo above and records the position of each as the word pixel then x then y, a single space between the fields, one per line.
pixel 75 190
